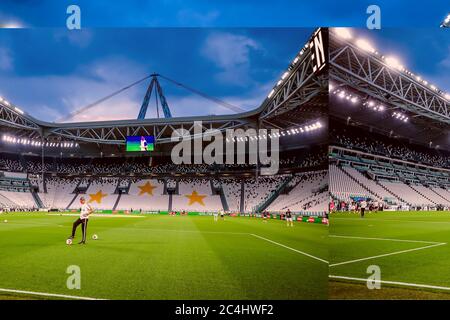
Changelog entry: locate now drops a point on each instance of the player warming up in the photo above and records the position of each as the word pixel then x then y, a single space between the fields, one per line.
pixel 86 210
pixel 289 220
pixel 363 208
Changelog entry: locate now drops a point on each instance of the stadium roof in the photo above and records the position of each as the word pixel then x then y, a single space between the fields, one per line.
pixel 378 92
pixel 357 64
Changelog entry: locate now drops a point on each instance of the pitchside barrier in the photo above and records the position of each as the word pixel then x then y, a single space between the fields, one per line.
pixel 313 218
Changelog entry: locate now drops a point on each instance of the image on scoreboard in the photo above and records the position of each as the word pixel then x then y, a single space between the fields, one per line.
pixel 140 143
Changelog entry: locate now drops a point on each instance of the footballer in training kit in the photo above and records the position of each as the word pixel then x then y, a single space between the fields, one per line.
pixel 86 210
pixel 289 220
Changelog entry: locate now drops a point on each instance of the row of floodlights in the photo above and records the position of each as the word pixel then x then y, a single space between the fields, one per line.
pixel 38 143
pixel 400 116
pixel 342 94
pixel 390 61
pixel 286 73
pixel 371 104
pixel 6 103
pixel 289 132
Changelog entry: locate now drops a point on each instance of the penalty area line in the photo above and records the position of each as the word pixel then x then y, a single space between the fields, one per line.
pixel 382 239
pixel 45 294
pixel 406 284
pixel 295 250
pixel 387 254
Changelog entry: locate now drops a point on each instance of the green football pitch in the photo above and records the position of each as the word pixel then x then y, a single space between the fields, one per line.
pixel 162 257
pixel 411 249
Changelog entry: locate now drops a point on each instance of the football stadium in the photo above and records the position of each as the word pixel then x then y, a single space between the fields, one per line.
pixel 389 156
pixel 165 230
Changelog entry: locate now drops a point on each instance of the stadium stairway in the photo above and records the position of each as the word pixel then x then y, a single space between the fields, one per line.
pixel 372 185
pixel 4 201
pixel 440 195
pixel 271 198
pixel 72 201
pixel 37 199
pixel 77 192
pixel 117 201
pixel 221 193
pixel 371 192
pixel 412 187
pixel 170 202
pixel 393 193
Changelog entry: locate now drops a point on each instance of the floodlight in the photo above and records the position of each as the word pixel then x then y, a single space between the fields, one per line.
pixel 343 33
pixel 12 25
pixel 394 63
pixel 365 45
pixel 446 22
pixel 18 110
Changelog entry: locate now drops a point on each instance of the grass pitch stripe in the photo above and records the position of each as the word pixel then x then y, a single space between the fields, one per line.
pixel 295 250
pixel 406 284
pixel 383 239
pixel 44 294
pixel 387 254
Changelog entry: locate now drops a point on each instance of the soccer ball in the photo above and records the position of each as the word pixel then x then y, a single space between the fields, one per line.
pixel 5 221
pixel 94 237
pixel 69 242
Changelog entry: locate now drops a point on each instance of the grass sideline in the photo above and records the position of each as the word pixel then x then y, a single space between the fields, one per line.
pixel 164 257
pixel 411 248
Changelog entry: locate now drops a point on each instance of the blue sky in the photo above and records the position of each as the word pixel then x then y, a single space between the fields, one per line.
pixel 51 72
pixel 224 13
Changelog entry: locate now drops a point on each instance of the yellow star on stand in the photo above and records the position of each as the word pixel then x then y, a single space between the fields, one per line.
pixel 97 196
pixel 195 197
pixel 147 188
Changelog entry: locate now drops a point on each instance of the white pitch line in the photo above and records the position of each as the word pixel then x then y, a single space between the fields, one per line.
pixel 47 294
pixel 383 239
pixel 295 250
pixel 386 254
pixel 406 284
